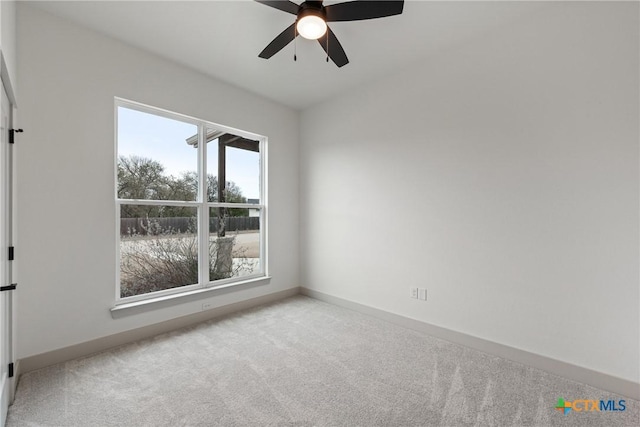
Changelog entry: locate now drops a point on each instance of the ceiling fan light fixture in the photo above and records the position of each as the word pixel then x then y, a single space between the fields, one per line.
pixel 311 26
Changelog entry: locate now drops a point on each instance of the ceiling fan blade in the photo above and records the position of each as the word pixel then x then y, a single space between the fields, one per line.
pixel 364 9
pixel 283 39
pixel 335 52
pixel 284 5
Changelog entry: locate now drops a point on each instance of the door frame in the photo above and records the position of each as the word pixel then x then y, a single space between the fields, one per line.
pixel 8 275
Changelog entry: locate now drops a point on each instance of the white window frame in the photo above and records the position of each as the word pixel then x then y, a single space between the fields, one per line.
pixel 201 205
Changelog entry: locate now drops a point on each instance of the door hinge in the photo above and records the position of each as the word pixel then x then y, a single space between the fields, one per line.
pixel 10 287
pixel 11 253
pixel 12 133
pixel 10 370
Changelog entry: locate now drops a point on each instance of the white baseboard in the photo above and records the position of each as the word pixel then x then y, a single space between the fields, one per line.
pixel 563 369
pixel 105 343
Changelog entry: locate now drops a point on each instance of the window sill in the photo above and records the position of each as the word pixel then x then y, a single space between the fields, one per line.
pixel 143 306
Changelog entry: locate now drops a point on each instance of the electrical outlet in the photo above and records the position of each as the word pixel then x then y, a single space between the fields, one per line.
pixel 414 293
pixel 422 294
pixel 206 306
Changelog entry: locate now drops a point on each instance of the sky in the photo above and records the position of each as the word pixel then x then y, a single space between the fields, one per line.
pixel 164 140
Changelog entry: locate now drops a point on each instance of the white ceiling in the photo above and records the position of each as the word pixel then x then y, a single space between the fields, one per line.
pixel 223 38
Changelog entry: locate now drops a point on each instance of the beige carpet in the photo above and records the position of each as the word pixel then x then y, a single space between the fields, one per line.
pixel 301 362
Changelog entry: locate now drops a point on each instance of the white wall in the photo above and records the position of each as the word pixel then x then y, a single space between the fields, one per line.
pixel 502 175
pixel 68 79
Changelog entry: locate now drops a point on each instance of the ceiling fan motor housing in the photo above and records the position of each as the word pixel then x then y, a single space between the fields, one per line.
pixel 314 8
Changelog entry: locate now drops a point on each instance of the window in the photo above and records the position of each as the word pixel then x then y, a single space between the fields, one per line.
pixel 190 203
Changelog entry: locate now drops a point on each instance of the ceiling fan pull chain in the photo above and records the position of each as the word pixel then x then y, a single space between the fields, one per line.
pixel 327 46
pixel 295 44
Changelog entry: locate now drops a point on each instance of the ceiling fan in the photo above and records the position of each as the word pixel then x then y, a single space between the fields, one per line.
pixel 311 23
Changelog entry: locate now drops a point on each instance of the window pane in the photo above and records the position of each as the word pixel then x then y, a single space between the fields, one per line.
pixel 158 248
pixel 236 162
pixel 234 242
pixel 157 157
pixel 243 173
